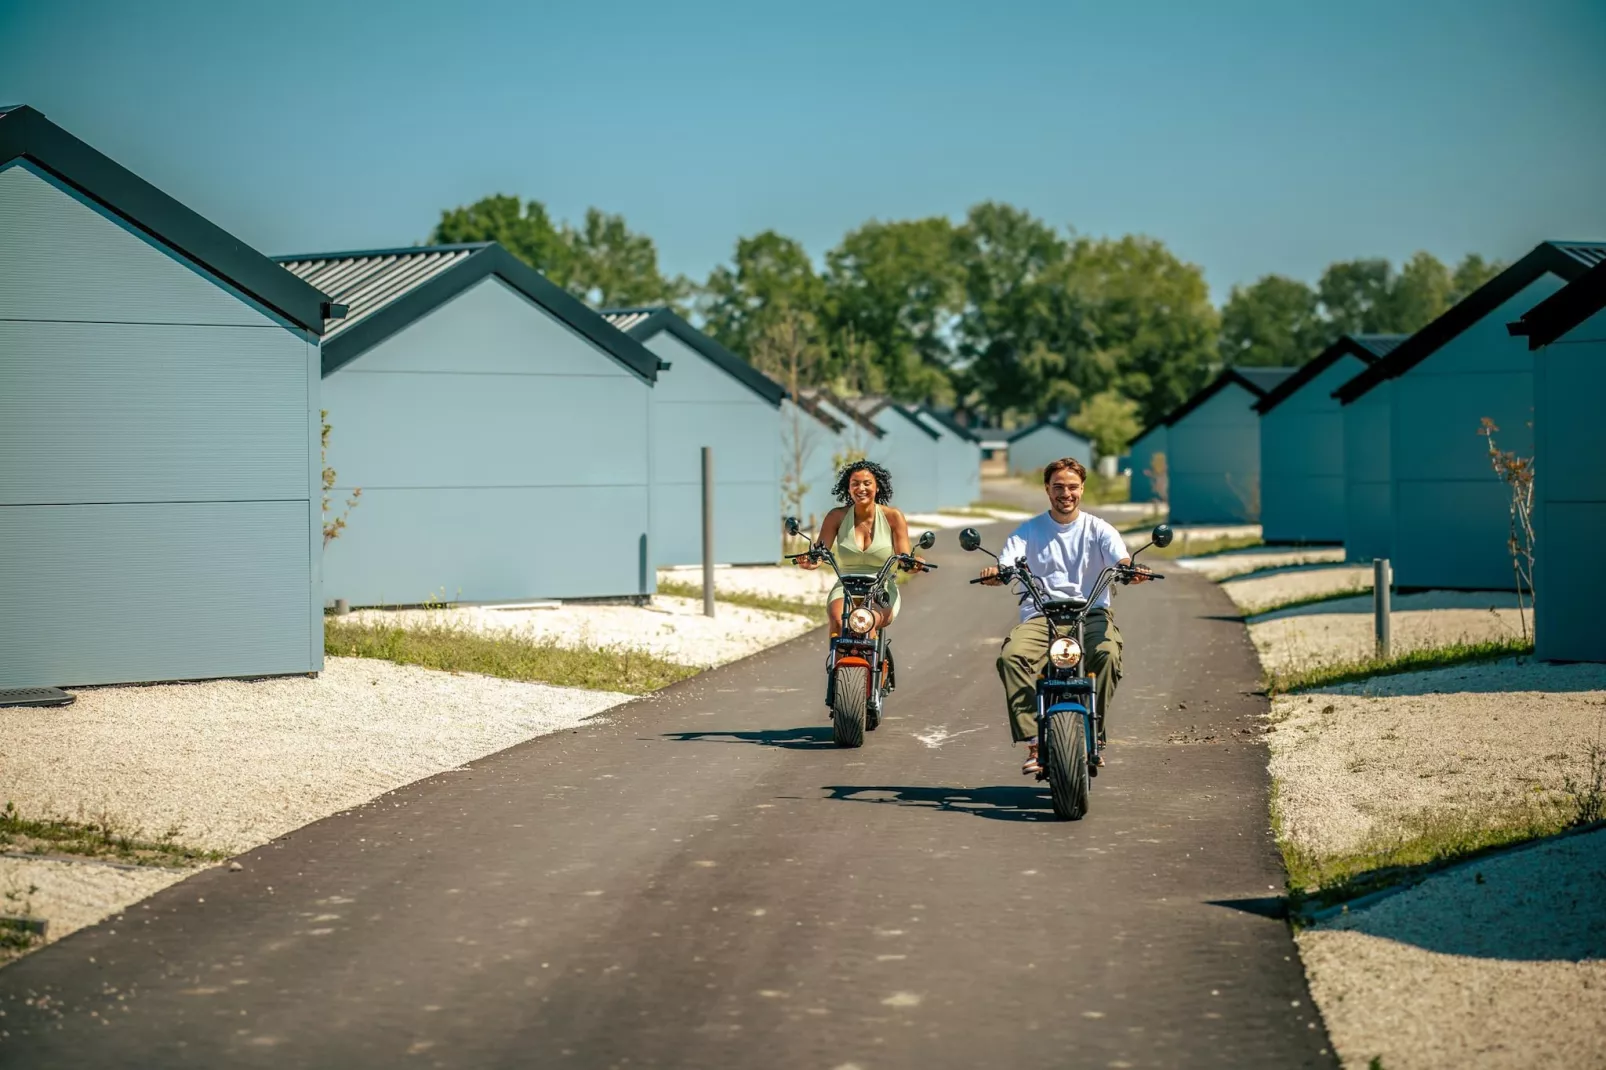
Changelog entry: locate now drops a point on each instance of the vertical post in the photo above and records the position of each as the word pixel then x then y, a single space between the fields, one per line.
pixel 1382 580
pixel 708 532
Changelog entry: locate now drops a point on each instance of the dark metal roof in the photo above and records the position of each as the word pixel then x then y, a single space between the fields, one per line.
pixel 1569 260
pixel 1564 309
pixel 873 405
pixel 813 407
pixel 1259 383
pixel 642 323
pixel 394 288
pixel 28 135
pixel 947 420
pixel 1368 348
pixel 1039 425
pixel 846 409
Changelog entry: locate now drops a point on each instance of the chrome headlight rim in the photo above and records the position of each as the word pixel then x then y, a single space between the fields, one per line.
pixel 1064 652
pixel 860 621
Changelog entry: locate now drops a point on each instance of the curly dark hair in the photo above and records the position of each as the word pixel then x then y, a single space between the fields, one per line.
pixel 883 481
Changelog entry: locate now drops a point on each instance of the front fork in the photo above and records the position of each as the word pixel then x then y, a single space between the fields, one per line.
pixel 1078 696
pixel 874 654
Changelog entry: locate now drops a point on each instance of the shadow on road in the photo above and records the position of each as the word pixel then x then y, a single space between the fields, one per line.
pixel 998 803
pixel 812 737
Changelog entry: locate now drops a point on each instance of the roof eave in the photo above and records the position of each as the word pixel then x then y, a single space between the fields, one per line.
pixel 666 319
pixel 26 134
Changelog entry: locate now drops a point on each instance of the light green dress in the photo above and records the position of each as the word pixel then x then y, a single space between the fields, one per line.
pixel 850 559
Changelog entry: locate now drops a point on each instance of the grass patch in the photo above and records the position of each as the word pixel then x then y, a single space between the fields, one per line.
pixel 454 649
pixel 770 603
pixel 103 839
pixel 1185 547
pixel 1423 660
pixel 1423 844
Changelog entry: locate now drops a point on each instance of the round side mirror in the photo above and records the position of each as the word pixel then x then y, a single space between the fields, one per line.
pixel 970 539
pixel 928 540
pixel 1162 536
pixel 791 525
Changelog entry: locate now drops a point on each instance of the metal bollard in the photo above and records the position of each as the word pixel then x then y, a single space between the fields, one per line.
pixel 708 531
pixel 1382 580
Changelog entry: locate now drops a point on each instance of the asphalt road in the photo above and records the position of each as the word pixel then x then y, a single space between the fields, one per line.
pixel 704 880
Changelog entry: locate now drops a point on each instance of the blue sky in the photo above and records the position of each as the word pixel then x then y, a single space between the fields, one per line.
pixel 1250 137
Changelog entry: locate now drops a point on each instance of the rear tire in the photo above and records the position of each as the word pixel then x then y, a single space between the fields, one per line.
pixel 850 693
pixel 1065 747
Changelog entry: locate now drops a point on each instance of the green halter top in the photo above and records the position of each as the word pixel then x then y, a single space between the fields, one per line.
pixel 851 559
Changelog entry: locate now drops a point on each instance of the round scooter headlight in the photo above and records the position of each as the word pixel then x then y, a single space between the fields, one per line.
pixel 1064 652
pixel 860 621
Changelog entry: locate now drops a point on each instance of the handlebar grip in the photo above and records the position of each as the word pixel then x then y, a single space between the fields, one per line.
pixel 978 580
pixel 927 565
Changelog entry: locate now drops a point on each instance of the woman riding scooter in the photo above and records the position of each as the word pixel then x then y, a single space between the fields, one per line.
pixel 863 533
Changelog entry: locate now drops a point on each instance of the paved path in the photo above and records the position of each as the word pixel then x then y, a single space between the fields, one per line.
pixel 705 881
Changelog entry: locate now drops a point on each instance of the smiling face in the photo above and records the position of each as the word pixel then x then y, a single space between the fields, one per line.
pixel 862 488
pixel 1064 489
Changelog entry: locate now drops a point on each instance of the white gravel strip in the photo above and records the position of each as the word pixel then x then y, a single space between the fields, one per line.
pixel 1499 964
pixel 1257 594
pixel 779 581
pixel 1242 562
pixel 975 518
pixel 1343 630
pixel 73 895
pixel 671 628
pixel 230 764
pixel 1356 763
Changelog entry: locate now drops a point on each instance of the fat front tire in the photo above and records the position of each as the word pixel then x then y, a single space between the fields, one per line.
pixel 850 693
pixel 1065 744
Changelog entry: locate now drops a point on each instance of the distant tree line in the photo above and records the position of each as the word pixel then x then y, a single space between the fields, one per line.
pixel 1001 315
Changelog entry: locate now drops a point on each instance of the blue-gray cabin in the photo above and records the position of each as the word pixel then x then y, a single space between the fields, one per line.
pixel 958 459
pixel 1449 508
pixel 910 450
pixel 1147 462
pixel 1302 444
pixel 1568 334
pixel 498 428
pixel 159 506
pixel 1213 457
pixel 1033 448
pixel 708 396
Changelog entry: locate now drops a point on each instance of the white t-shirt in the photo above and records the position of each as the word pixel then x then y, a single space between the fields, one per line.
pixel 1065 558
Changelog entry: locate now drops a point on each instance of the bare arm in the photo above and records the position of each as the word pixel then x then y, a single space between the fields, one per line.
pixel 828 529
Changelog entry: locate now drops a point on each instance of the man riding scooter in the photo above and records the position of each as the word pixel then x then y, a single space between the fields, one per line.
pixel 1066 550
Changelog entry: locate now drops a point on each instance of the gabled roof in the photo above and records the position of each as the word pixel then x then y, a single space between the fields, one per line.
pixel 1569 260
pixel 643 323
pixel 1258 381
pixel 1368 348
pixel 1039 425
pixel 847 409
pixel 813 407
pixel 872 405
pixel 25 134
pixel 388 290
pixel 949 423
pixel 1564 309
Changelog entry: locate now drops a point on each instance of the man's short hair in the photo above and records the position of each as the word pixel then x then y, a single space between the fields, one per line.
pixel 1061 465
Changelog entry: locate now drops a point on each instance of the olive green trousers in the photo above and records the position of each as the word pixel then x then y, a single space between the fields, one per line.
pixel 1025 655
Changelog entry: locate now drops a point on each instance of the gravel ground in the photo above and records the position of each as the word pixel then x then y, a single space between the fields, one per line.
pixel 1342 630
pixel 1498 964
pixel 1357 761
pixel 230 764
pixel 1242 562
pixel 72 895
pixel 946 521
pixel 780 581
pixel 671 628
pixel 1257 593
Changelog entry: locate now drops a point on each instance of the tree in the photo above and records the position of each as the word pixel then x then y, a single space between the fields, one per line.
pixel 1274 322
pixel 525 229
pixel 769 275
pixel 785 350
pixel 1110 420
pixel 1354 295
pixel 1471 273
pixel 899 287
pixel 603 262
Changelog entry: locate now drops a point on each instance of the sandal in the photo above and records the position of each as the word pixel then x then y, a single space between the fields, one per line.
pixel 1030 767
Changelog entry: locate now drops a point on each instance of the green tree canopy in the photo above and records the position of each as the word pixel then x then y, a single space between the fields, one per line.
pixel 1274 322
pixel 1110 420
